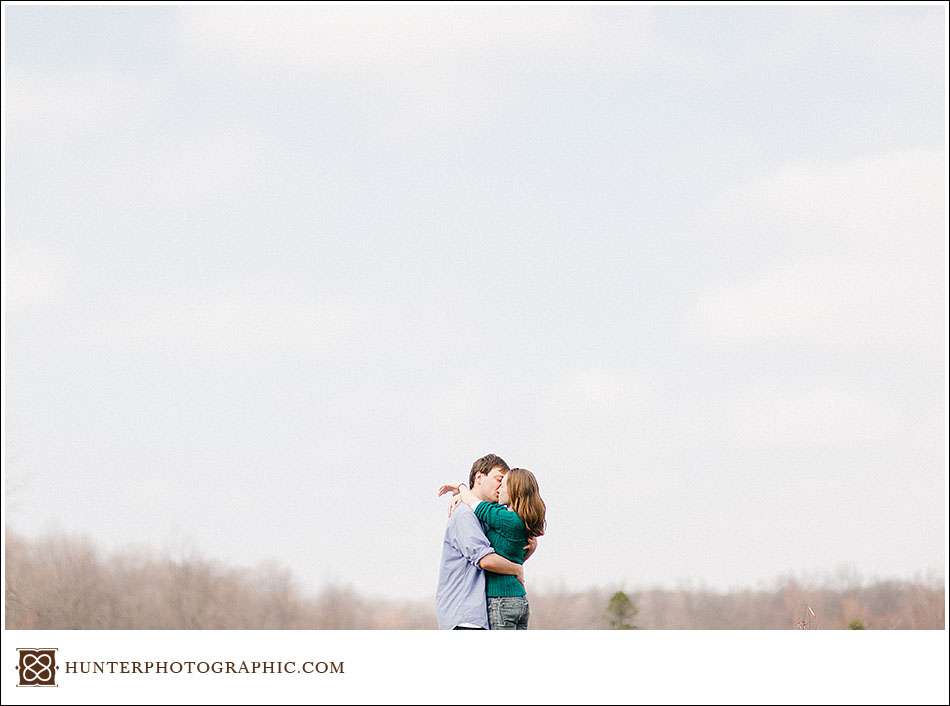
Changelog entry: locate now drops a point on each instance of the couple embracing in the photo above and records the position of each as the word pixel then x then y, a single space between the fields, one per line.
pixel 494 523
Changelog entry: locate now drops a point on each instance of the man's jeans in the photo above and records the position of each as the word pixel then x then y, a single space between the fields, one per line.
pixel 508 613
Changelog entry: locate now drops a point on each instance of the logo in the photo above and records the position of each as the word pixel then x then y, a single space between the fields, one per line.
pixel 37 667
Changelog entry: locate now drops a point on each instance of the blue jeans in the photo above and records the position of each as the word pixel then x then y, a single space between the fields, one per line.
pixel 508 613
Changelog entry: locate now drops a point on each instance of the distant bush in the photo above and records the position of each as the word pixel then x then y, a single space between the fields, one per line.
pixel 621 611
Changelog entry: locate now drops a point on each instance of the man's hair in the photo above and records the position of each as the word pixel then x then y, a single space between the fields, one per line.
pixel 484 465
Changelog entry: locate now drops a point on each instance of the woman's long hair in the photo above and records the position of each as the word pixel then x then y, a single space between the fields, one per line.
pixel 525 499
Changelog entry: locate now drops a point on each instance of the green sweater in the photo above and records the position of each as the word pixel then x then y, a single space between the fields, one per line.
pixel 508 536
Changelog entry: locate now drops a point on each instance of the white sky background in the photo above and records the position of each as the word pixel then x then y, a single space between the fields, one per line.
pixel 272 274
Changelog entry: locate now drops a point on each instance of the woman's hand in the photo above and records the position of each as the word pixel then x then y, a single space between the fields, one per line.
pixel 462 491
pixel 456 501
pixel 530 547
pixel 449 488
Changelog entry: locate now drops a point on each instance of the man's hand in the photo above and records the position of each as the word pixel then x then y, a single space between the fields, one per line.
pixel 449 488
pixel 520 576
pixel 454 504
pixel 530 547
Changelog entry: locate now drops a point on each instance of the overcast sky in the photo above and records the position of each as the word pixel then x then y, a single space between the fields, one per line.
pixel 272 274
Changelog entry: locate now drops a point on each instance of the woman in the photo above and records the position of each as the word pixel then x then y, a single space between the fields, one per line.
pixel 508 529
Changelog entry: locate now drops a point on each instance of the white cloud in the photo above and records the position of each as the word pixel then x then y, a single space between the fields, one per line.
pixel 597 415
pixel 599 391
pixel 886 204
pixel 33 274
pixel 54 107
pixel 828 303
pixel 769 416
pixel 188 169
pixel 857 257
pixel 390 39
pixel 127 165
pixel 429 67
pixel 582 414
pixel 50 113
pixel 250 316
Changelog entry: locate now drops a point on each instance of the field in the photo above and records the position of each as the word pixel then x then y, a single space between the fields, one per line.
pixel 58 582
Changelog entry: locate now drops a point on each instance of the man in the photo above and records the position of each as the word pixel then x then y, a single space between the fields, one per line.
pixel 467 554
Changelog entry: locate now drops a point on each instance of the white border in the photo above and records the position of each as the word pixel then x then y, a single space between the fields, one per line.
pixel 432 667
pixel 537 666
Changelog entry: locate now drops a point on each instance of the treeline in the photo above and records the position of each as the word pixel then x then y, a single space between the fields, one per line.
pixel 888 605
pixel 65 583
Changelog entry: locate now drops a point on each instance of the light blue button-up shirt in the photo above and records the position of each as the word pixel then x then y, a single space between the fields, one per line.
pixel 460 599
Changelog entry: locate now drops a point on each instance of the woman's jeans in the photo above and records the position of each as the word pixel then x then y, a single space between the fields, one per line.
pixel 508 613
